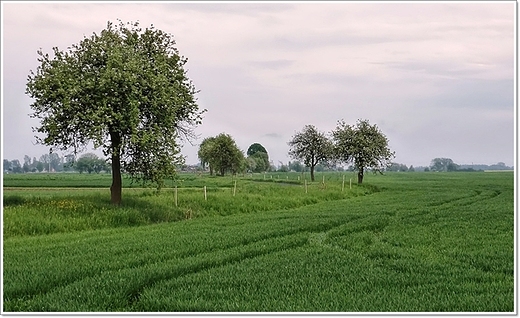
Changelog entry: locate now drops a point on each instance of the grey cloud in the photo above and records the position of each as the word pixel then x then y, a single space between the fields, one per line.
pixel 253 90
pixel 246 9
pixel 447 68
pixel 312 39
pixel 472 95
pixel 271 64
pixel 273 135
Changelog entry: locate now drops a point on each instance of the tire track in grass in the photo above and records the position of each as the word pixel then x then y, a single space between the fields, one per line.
pixel 302 237
pixel 231 256
pixel 433 210
pixel 453 200
pixel 475 197
pixel 119 290
pixel 131 281
pixel 125 260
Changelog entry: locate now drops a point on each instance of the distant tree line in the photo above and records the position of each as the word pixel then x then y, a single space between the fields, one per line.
pixel 52 162
pixel 443 165
pixel 447 165
pixel 363 145
pixel 399 167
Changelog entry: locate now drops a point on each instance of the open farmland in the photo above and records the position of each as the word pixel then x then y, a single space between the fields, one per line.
pixel 402 242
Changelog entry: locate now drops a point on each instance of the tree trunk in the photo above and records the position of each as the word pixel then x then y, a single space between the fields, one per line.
pixel 117 184
pixel 312 173
pixel 360 176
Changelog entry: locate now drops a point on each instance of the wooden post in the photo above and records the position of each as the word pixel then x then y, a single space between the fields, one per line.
pixel 305 185
pixel 175 196
pixel 205 195
pixel 343 184
pixel 235 188
pixel 351 183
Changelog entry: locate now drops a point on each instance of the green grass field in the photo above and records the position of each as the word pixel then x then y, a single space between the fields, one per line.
pixel 402 242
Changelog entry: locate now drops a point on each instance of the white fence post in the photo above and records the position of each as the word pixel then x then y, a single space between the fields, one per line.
pixel 175 196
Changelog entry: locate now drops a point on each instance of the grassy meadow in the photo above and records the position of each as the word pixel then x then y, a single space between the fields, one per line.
pixel 401 242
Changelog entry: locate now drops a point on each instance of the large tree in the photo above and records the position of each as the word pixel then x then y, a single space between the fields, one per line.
pixel 125 90
pixel 364 145
pixel 310 146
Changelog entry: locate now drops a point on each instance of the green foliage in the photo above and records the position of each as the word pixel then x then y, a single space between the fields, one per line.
pixel 364 145
pixel 398 167
pixel 261 161
pixel 222 154
pixel 443 164
pixel 311 146
pixel 90 162
pixel 254 148
pixel 125 90
pixel 204 153
pixel 13 166
pixel 296 166
pixel 259 155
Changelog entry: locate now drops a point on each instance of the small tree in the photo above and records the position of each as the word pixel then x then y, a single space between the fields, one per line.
pixel 46 160
pixel 258 152
pixel 364 145
pixel 204 153
pixel 126 91
pixel 224 156
pixel 7 165
pixel 311 146
pixel 283 168
pixel 295 166
pixel 90 162
pixel 254 148
pixel 26 164
pixel 39 166
pixel 443 164
pixel 69 162
pixel 261 161
pixel 250 164
pixel 16 167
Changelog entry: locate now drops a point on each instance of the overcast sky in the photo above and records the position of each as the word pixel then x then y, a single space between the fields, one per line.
pixel 436 77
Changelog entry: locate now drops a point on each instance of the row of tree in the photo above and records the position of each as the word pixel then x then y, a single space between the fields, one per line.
pixel 46 162
pixel 126 91
pixel 363 145
pixel 52 162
